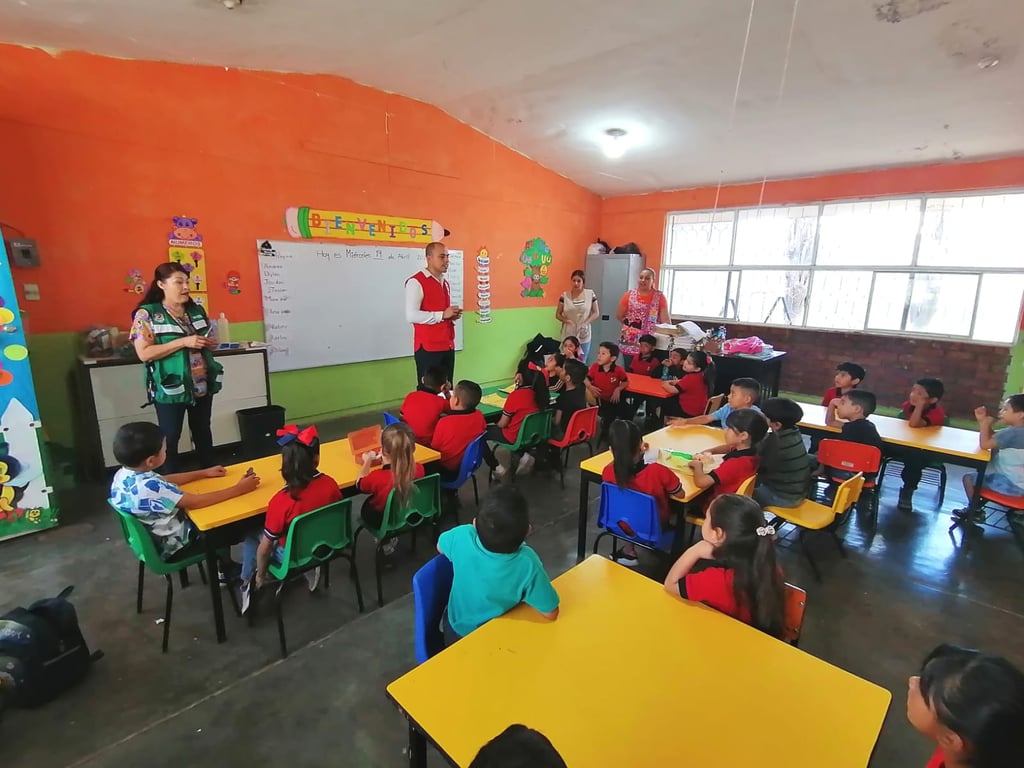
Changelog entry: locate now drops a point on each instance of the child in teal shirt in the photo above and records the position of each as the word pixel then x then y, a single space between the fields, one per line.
pixel 494 570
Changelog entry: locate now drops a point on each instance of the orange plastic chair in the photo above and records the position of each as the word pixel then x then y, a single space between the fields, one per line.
pixel 853 457
pixel 796 602
pixel 581 430
pixel 1013 503
pixel 696 521
pixel 714 403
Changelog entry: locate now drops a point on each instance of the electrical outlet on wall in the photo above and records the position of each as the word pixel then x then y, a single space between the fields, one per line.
pixel 31 292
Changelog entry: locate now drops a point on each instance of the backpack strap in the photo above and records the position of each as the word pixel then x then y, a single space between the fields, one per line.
pixel 62 595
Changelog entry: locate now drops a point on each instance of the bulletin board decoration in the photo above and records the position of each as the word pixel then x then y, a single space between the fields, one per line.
pixel 233 282
pixel 185 247
pixel 536 258
pixel 483 286
pixel 316 223
pixel 135 282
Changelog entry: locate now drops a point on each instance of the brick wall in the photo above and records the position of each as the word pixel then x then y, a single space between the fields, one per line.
pixel 974 374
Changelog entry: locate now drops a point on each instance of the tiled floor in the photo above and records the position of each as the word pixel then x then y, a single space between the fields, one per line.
pixel 875 614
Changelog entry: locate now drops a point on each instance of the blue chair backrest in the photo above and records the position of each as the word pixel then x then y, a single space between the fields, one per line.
pixel 389 419
pixel 471 460
pixel 431 586
pixel 629 515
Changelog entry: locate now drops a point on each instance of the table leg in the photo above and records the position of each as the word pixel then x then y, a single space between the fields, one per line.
pixel 214 584
pixel 417 748
pixel 581 541
pixel 777 379
pixel 976 501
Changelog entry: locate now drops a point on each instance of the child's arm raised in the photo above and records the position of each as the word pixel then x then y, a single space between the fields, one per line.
pixel 367 466
pixel 199 500
pixel 987 439
pixel 916 418
pixel 702 550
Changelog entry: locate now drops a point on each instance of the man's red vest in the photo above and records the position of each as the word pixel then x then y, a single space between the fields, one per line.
pixel 439 337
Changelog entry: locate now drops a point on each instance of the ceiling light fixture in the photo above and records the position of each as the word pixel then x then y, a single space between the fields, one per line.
pixel 988 62
pixel 614 143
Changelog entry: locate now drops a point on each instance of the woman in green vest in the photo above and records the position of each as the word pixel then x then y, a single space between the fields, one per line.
pixel 172 336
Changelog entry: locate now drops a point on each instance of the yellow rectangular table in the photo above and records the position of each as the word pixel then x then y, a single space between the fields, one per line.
pixel 686 662
pixel 691 439
pixel 335 460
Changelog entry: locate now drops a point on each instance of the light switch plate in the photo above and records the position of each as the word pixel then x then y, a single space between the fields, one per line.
pixel 31 292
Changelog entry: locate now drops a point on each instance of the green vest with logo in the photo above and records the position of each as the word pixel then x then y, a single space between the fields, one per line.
pixel 169 380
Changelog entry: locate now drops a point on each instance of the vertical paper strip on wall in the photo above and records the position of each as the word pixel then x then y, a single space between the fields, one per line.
pixel 483 286
pixel 185 247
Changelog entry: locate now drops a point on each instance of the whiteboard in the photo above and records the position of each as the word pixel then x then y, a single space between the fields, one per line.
pixel 330 304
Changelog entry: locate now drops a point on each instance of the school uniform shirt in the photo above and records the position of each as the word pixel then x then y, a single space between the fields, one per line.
pixel 861 431
pixel 736 467
pixel 723 413
pixel 570 401
pixel 711 582
pixel 1006 469
pixel 606 381
pixel 518 406
pixel 488 584
pixel 283 508
pixel 693 393
pixel 831 394
pixel 454 433
pixel 154 501
pixel 938 760
pixel 655 480
pixel 933 414
pixel 649 367
pixel 421 410
pixel 784 466
pixel 379 483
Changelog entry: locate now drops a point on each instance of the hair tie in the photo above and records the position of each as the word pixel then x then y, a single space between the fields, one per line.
pixel 766 530
pixel 308 437
pixel 707 359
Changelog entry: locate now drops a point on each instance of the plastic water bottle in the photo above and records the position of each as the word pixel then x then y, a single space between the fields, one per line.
pixel 223 329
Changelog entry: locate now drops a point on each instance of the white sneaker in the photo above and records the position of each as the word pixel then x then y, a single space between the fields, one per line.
pixel 388 548
pixel 313 578
pixel 500 472
pixel 525 464
pixel 622 558
pixel 245 596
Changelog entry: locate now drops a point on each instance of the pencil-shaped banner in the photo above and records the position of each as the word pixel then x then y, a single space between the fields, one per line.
pixel 317 223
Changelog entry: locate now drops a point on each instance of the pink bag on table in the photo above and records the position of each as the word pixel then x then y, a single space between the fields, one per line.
pixel 752 345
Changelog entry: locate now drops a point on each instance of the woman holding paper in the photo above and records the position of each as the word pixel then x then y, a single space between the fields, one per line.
pixel 640 310
pixel 577 309
pixel 173 336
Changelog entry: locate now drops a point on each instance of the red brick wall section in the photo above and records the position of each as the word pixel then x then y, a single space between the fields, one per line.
pixel 974 374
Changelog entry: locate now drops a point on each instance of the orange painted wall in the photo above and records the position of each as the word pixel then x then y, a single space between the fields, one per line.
pixel 97 155
pixel 641 218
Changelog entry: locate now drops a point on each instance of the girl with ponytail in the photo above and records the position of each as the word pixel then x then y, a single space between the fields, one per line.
pixel 397 445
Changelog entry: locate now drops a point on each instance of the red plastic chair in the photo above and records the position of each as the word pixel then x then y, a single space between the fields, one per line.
pixel 1012 503
pixel 796 603
pixel 853 457
pixel 580 431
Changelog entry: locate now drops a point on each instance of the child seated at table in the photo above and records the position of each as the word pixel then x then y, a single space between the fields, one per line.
pixel 572 398
pixel 743 393
pixel 971 704
pixel 397 473
pixel 495 570
pixel 572 349
pixel 607 381
pixel 784 469
pixel 852 412
pixel 629 471
pixel 158 501
pixel 693 386
pixel 305 489
pixel 645 363
pixel 733 568
pixel 848 377
pixel 460 426
pixel 529 396
pixel 744 430
pixel 518 747
pixel 921 409
pixel 1005 471
pixel 423 407
pixel 553 367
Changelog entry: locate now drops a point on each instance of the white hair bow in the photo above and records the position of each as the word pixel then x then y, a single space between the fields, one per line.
pixel 766 530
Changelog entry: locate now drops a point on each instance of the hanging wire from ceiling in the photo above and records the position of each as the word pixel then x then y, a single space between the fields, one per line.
pixel 782 86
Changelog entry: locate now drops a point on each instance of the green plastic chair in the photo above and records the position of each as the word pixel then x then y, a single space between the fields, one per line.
pixel 535 430
pixel 424 507
pixel 142 544
pixel 314 539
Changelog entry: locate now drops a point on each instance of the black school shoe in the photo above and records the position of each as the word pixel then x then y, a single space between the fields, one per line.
pixel 906 502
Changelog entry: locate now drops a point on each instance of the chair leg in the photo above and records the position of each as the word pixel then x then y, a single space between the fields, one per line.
pixel 378 562
pixel 476 493
pixel 202 573
pixel 327 574
pixel 942 484
pixel 563 463
pixel 234 599
pixel 138 593
pixel 354 574
pixel 807 554
pixel 838 541
pixel 597 541
pixel 280 621
pixel 167 611
pixel 183 578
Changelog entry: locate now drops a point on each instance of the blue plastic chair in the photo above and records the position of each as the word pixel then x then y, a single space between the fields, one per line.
pixel 633 516
pixel 471 461
pixel 389 419
pixel 431 586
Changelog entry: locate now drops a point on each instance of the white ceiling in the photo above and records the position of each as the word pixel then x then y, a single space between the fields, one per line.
pixel 869 83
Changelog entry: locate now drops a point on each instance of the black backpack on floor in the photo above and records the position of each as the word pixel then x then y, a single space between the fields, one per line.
pixel 42 651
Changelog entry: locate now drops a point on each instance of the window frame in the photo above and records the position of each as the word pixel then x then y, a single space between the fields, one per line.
pixel 670 271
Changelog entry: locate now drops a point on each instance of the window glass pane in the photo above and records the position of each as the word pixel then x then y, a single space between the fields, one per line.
pixel 776 236
pixel 872 233
pixel 773 296
pixel 700 239
pixel 699 294
pixel 888 300
pixel 839 299
pixel 999 308
pixel 976 231
pixel 942 304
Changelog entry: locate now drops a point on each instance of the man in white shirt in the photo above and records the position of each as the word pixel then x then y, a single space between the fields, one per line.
pixel 428 306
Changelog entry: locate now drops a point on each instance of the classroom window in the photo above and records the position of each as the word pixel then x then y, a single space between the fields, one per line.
pixel 930 266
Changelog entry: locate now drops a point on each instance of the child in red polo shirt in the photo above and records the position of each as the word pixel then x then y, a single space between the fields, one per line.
pixel 305 489
pixel 693 387
pixel 422 408
pixel 607 381
pixel 644 363
pixel 921 409
pixel 628 470
pixel 529 396
pixel 972 705
pixel 461 426
pixel 733 568
pixel 745 428
pixel 399 470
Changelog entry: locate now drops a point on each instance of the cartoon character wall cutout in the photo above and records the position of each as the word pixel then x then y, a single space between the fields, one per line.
pixel 185 246
pixel 135 282
pixel 536 257
pixel 483 286
pixel 233 282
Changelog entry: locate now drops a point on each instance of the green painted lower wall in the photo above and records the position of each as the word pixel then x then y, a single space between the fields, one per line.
pixel 1015 373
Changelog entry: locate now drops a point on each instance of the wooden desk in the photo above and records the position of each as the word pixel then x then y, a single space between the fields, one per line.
pixel 767 370
pixel 691 439
pixel 335 460
pixel 554 676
